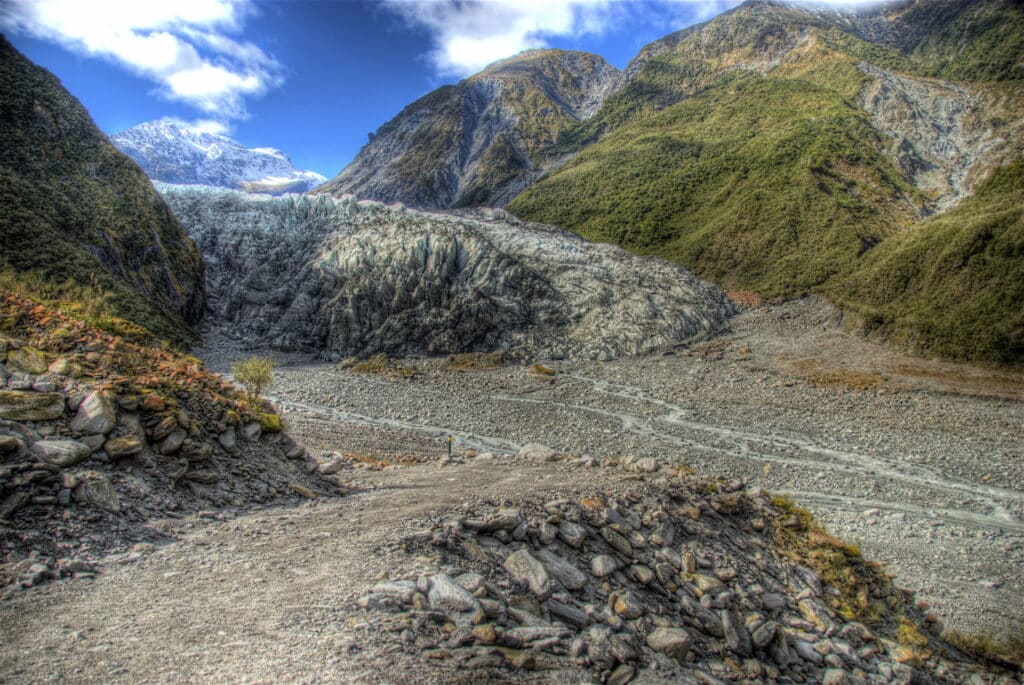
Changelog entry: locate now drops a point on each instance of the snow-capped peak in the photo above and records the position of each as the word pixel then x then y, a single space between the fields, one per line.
pixel 172 153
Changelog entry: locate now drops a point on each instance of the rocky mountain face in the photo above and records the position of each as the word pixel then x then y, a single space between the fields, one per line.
pixel 478 143
pixel 171 153
pixel 355 278
pixel 80 220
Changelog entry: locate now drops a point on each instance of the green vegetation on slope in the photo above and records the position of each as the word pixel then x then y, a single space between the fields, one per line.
pixel 739 150
pixel 685 63
pixel 953 284
pixel 79 217
pixel 967 40
pixel 761 184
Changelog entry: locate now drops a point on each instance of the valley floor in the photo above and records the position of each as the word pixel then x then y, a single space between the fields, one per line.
pixel 917 462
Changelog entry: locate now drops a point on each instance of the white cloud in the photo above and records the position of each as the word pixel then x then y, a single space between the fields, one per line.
pixel 201 126
pixel 470 34
pixel 183 46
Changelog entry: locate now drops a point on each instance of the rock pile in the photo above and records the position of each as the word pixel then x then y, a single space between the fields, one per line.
pixel 99 434
pixel 342 278
pixel 681 579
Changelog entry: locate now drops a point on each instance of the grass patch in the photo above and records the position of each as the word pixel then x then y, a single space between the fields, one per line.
pixel 865 592
pixel 839 378
pixel 1004 650
pixel 381 364
pixel 476 361
pixel 271 423
pixel 953 284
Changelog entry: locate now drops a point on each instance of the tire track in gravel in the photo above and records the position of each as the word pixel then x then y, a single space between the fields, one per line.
pixel 853 463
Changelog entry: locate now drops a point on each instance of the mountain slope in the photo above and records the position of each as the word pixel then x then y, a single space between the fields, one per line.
pixel 759 184
pixel 954 284
pixel 80 220
pixel 765 151
pixel 171 153
pixel 478 142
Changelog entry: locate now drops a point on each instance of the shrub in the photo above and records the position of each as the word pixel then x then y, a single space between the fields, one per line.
pixel 255 373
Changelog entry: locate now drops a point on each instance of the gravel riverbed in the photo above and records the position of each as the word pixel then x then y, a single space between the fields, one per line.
pixel 918 462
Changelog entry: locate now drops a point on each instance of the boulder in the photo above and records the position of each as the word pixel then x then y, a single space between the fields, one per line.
pixel 21 405
pixel 172 443
pixel 572 534
pixel 252 431
pixel 562 570
pixel 524 568
pixel 96 415
pixel 672 642
pixel 60 452
pixel 123 447
pixel 228 440
pixel 96 490
pixel 536 452
pixel 9 443
pixel 603 565
pixel 447 595
pixel 27 360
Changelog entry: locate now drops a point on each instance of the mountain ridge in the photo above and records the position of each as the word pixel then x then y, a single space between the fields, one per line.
pixel 172 153
pixel 844 129
pixel 476 143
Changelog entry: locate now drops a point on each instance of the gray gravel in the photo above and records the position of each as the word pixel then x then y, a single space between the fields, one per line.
pixel 923 470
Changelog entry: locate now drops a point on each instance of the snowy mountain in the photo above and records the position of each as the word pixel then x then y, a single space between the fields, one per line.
pixel 172 153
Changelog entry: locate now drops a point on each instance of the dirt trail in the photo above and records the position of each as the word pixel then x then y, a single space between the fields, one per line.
pixel 267 598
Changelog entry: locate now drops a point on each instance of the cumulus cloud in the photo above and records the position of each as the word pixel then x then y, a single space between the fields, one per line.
pixel 470 34
pixel 184 46
pixel 213 126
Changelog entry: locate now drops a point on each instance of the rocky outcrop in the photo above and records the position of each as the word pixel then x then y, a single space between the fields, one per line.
pixel 113 434
pixel 475 143
pixel 171 153
pixel 679 579
pixel 943 136
pixel 80 218
pixel 344 278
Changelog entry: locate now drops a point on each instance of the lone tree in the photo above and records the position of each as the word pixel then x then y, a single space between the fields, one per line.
pixel 255 373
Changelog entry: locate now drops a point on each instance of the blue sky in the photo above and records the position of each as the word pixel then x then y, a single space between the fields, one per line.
pixel 310 78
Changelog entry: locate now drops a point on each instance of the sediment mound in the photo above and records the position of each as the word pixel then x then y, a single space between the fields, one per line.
pixel 100 433
pixel 678 579
pixel 344 278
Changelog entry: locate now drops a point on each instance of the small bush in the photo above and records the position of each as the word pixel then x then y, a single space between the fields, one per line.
pixel 541 370
pixel 255 373
pixel 1007 650
pixel 382 364
pixel 271 423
